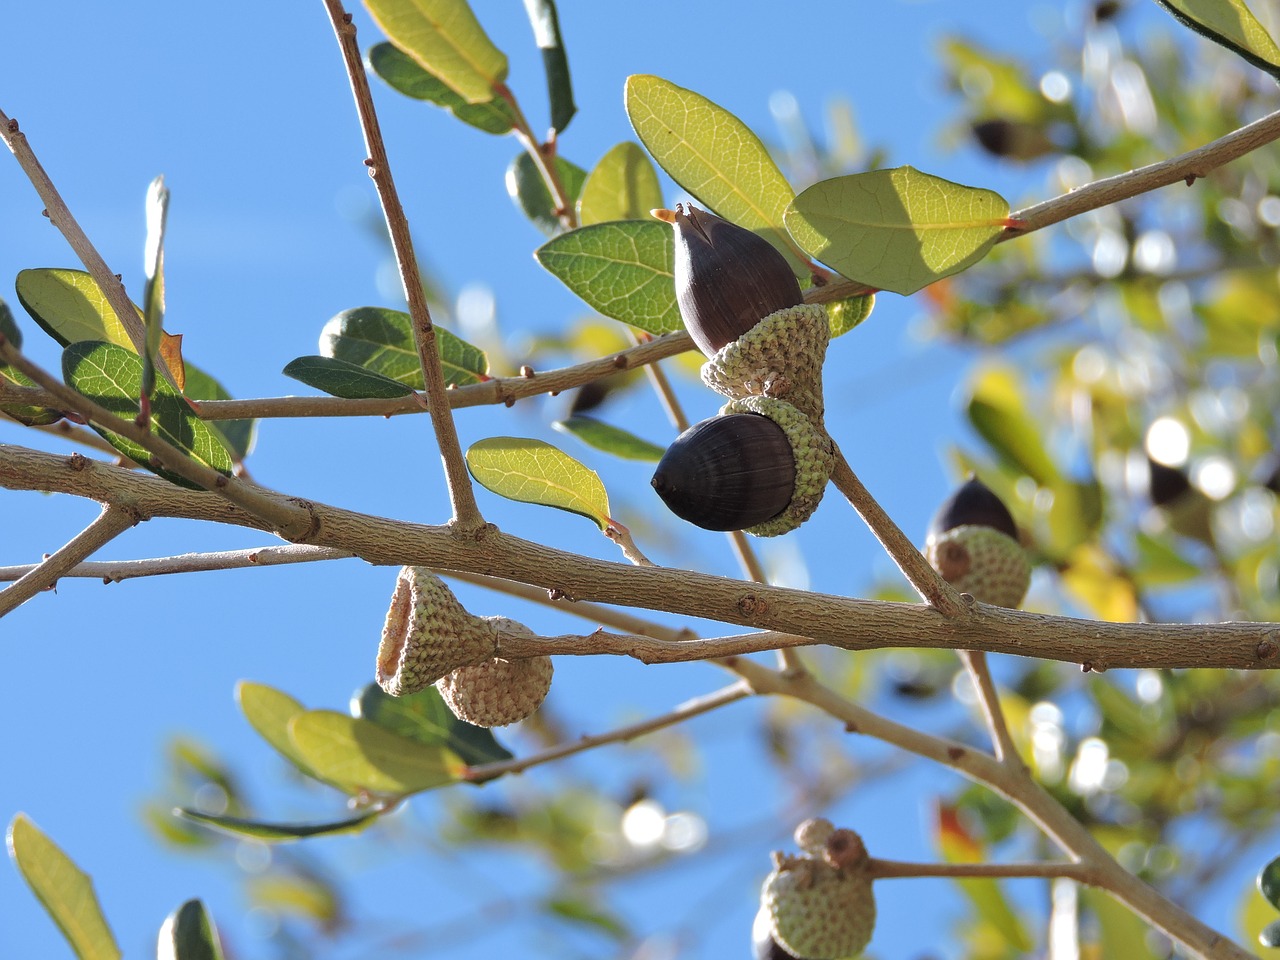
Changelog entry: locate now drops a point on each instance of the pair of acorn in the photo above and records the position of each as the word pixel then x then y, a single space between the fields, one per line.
pixel 762 464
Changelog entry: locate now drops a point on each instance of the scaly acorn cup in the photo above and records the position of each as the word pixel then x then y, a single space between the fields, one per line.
pixel 497 692
pixel 973 545
pixel 821 906
pixel 427 634
pixel 743 306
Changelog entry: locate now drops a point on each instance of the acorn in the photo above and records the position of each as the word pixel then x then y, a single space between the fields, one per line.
pixel 763 945
pixel 973 544
pixel 760 466
pixel 497 692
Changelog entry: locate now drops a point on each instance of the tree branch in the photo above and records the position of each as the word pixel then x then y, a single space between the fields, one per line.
pixel 114 571
pixel 894 869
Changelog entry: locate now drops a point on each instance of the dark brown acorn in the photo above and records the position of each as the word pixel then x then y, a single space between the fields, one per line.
pixel 727 278
pixel 974 504
pixel 763 946
pixel 728 473
pixel 1167 483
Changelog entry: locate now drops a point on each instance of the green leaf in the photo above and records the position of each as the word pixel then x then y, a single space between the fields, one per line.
pixel 1269 882
pixel 715 156
pixel 238 436
pixel 424 717
pixel 23 413
pixel 1120 932
pixel 405 75
pixel 360 755
pixel 8 326
pixel 610 439
pixel 998 410
pixel 189 934
pixel 532 471
pixel 528 189
pixel 381 341
pixel 341 378
pixel 623 186
pixel 157 214
pixel 1232 24
pixel 896 229
pixel 278 832
pixel 64 890
pixel 581 911
pixel 447 40
pixel 269 711
pixel 624 269
pixel 1160 565
pixel 844 315
pixel 1270 936
pixel 555 64
pixel 69 306
pixel 111 376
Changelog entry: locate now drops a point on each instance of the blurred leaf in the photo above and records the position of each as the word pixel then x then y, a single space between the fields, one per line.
pixel 278 832
pixel 957 846
pixel 897 229
pixel 1269 882
pixel 533 471
pixel 1121 933
pixel 546 32
pixel 111 376
pixel 296 895
pixel 189 934
pixel 624 269
pixel 997 408
pixel 69 306
pixel 237 435
pixel 405 75
pixel 1160 565
pixel 8 326
pixel 1092 579
pixel 610 439
pixel 65 891
pixel 844 315
pixel 381 341
pixel 1270 936
pixel 269 711
pixel 622 186
pixel 27 414
pixel 360 755
pixel 715 156
pixel 340 378
pixel 528 189
pixel 424 717
pixel 1232 24
pixel 584 913
pixel 447 40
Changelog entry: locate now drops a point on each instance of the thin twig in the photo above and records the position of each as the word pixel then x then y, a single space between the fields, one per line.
pixel 939 594
pixel 108 525
pixel 975 662
pixel 466 513
pixel 894 869
pixel 686 711
pixel 115 571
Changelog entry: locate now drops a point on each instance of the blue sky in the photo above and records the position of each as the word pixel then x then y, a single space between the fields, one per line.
pixel 245 110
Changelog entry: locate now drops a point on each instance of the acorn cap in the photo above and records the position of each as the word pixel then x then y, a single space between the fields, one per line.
pixel 427 634
pixel 973 504
pixel 498 692
pixel 817 910
pixel 727 278
pixel 983 562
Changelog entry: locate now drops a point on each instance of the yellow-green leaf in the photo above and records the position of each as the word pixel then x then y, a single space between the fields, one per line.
pixel 445 37
pixel 70 306
pixel 623 186
pixel 1230 23
pixel 844 315
pixel 998 411
pixel 715 156
pixel 269 711
pixel 896 229
pixel 64 889
pixel 533 471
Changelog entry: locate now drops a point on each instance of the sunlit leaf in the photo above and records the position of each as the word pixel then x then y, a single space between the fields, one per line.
pixel 111 376
pixel 997 409
pixel 622 186
pixel 339 378
pixel 406 75
pixel 307 895
pixel 528 189
pixel 69 306
pixel 1269 882
pixel 896 229
pixel 360 755
pixel 64 890
pixel 269 711
pixel 533 471
pixel 1091 578
pixel 1232 24
pixel 624 269
pixel 715 156
pixel 425 717
pixel 237 435
pixel 447 40
pixel 610 439
pixel 189 934
pixel 555 64
pixel 844 315
pixel 278 832
pixel 1121 933
pixel 957 846
pixel 381 341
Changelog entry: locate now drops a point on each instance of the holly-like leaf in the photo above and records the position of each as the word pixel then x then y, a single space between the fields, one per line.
pixel 555 64
pixel 447 40
pixel 896 229
pixel 278 832
pixel 1232 24
pixel 844 315
pixel 360 755
pixel 610 439
pixel 381 341
pixel 407 76
pixel 424 716
pixel 189 934
pixel 1269 882
pixel 715 156
pixel 624 269
pixel 533 471
pixel 340 378
pixel 111 376
pixel 64 890
pixel 528 189
pixel 70 306
pixel 622 186
pixel 998 411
